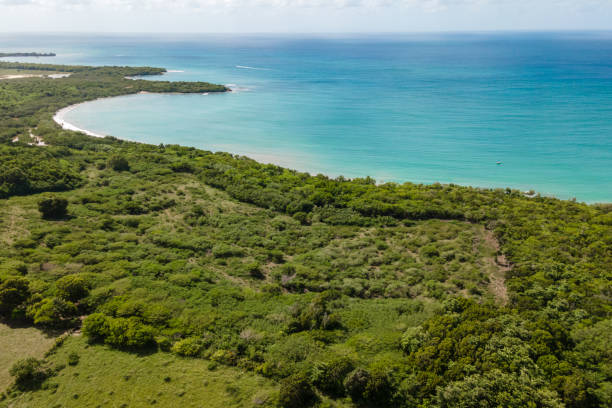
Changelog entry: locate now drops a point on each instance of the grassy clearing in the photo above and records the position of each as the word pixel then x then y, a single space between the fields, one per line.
pixel 10 73
pixel 17 343
pixel 110 378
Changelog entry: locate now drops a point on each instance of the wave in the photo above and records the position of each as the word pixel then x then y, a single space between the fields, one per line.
pixel 255 68
pixel 236 88
pixel 174 70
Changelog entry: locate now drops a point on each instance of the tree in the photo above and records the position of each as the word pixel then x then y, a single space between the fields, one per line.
pixel 13 292
pixel 329 376
pixel 95 327
pixel 53 312
pixel 53 207
pixel 296 392
pixel 356 383
pixel 72 287
pixel 497 389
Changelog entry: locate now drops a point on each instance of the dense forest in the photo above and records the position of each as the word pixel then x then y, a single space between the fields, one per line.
pixel 340 293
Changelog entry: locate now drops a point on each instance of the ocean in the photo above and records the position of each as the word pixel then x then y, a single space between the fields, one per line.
pixel 520 110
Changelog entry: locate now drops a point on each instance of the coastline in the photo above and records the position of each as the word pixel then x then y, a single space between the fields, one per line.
pixel 266 158
pixel 58 118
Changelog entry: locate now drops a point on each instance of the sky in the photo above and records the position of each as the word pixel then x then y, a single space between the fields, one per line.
pixel 302 16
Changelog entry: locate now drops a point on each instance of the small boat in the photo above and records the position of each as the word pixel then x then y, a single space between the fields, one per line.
pixel 498 163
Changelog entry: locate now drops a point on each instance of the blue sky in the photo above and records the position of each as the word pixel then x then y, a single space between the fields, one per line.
pixel 303 16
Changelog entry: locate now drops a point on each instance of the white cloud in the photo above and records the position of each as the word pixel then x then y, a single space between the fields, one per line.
pixel 303 15
pixel 204 4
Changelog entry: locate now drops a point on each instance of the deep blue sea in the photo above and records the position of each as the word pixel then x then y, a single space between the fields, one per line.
pixel 421 107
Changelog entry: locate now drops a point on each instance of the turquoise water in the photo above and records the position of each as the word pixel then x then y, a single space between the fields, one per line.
pixel 421 108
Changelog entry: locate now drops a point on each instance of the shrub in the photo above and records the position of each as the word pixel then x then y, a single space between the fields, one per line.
pixel 95 327
pixel 72 287
pixel 118 163
pixel 29 373
pixel 296 392
pixel 73 359
pixel 356 383
pixel 118 332
pixel 13 292
pixel 182 167
pixel 53 207
pixel 378 388
pixel 430 251
pixel 226 251
pixel 52 312
pixel 412 339
pixel 189 347
pixel 497 389
pixel 129 333
pixel 226 357
pixel 329 376
pixel 254 270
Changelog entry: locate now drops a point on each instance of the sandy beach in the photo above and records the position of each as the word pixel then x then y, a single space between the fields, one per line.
pixel 20 76
pixel 59 119
pixel 51 76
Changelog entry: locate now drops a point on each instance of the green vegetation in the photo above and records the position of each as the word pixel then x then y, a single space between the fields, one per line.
pixel 108 378
pixel 339 292
pixel 18 343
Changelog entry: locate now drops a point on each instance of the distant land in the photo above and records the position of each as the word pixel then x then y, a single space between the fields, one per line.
pixel 27 54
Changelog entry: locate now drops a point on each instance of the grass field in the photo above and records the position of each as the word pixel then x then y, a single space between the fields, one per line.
pixel 110 378
pixel 29 72
pixel 17 343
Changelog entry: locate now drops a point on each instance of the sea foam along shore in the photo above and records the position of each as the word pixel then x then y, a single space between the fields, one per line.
pixel 60 120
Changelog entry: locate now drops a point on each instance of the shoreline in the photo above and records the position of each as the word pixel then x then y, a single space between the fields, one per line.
pixel 58 118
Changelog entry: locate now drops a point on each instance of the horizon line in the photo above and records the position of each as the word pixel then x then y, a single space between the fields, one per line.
pixel 453 31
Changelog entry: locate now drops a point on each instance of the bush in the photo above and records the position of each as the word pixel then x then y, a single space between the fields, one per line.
pixel 296 392
pixel 356 384
pixel 412 339
pixel 129 333
pixel 72 287
pixel 118 332
pixel 226 357
pixel 29 373
pixel 118 163
pixel 95 327
pixel 13 292
pixel 52 312
pixel 226 251
pixel 329 376
pixel 254 271
pixel 189 347
pixel 497 389
pixel 182 167
pixel 53 207
pixel 73 359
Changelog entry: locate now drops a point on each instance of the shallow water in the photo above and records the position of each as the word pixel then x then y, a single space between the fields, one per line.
pixel 420 108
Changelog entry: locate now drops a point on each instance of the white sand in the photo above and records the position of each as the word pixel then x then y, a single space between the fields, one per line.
pixel 59 119
pixel 19 76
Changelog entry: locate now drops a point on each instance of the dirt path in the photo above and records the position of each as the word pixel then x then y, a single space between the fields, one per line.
pixel 497 266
